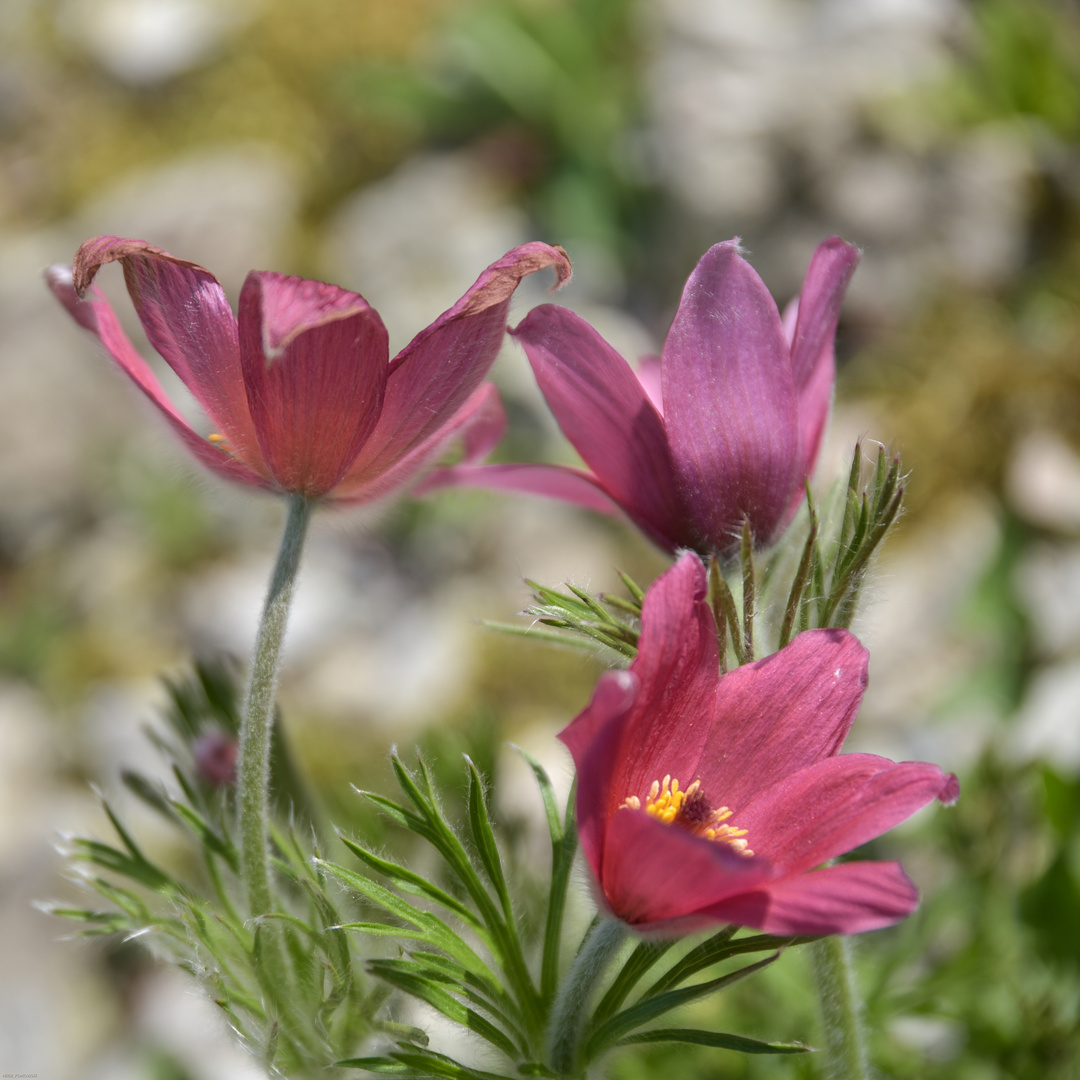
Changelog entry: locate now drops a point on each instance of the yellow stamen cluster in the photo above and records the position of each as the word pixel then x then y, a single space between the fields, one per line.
pixel 666 801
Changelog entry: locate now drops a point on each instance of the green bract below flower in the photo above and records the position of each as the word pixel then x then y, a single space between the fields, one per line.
pixel 300 388
pixel 706 799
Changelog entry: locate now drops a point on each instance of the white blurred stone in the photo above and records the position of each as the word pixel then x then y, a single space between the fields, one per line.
pixel 1048 587
pixel 148 41
pixel 1047 727
pixel 1043 481
pixel 758 124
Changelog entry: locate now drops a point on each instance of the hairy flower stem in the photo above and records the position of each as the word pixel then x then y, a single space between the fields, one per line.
pixel 841 1010
pixel 253 766
pixel 568 1010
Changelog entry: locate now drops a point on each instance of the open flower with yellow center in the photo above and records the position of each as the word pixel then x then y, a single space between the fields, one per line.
pixel 706 798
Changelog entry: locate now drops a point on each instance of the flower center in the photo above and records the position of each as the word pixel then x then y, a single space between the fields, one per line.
pixel 691 810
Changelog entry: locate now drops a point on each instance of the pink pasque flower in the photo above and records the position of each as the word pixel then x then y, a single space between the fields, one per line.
pixel 300 388
pixel 724 427
pixel 707 798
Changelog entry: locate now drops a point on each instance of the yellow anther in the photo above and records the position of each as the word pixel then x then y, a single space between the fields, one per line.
pixel 666 801
pixel 215 437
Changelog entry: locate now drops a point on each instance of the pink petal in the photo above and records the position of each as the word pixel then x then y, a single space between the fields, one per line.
pixel 96 315
pixel 551 481
pixel 432 377
pixel 315 363
pixel 846 899
pixel 675 671
pixel 780 714
pixel 657 877
pixel 188 320
pixel 729 401
pixel 606 414
pixel 480 423
pixel 833 806
pixel 649 375
pixel 596 727
pixel 813 363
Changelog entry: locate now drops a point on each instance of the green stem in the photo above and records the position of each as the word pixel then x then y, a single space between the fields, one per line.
pixel 568 1011
pixel 841 1010
pixel 253 766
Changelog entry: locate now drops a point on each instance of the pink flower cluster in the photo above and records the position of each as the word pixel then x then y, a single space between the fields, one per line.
pixel 702 797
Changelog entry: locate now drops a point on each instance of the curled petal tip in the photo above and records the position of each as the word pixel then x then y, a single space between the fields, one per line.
pixel 564 271
pixel 98 250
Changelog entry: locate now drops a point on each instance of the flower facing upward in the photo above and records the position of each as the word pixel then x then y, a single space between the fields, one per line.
pixel 709 799
pixel 299 386
pixel 724 427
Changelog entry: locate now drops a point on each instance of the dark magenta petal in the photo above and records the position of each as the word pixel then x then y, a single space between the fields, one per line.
pixel 188 320
pixel 813 364
pixel 551 481
pixel 96 315
pixel 831 807
pixel 729 402
pixel 605 412
pixel 315 365
pixel 479 424
pixel 434 375
pixel 847 899
pixel 780 714
pixel 657 877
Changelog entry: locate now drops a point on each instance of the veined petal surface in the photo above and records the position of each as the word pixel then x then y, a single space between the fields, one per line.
pixel 729 401
pixel 94 313
pixel 434 375
pixel 187 318
pixel 315 366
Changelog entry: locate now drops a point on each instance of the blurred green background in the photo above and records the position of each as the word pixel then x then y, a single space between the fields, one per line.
pixel 397 149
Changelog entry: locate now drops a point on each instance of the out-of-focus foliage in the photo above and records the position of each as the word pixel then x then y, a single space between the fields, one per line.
pixel 548 91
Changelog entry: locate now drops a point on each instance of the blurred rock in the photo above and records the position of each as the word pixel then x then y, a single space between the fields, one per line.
pixel 1047 585
pixel 149 41
pixel 1043 481
pixel 759 121
pixel 1048 724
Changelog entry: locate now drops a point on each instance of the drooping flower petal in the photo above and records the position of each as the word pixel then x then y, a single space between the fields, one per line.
pixel 729 400
pixel 479 424
pixel 314 361
pixel 604 410
pixel 95 314
pixel 310 404
pixel 188 320
pixel 433 376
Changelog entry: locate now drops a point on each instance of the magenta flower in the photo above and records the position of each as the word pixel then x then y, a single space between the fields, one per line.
pixel 725 427
pixel 299 388
pixel 707 798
